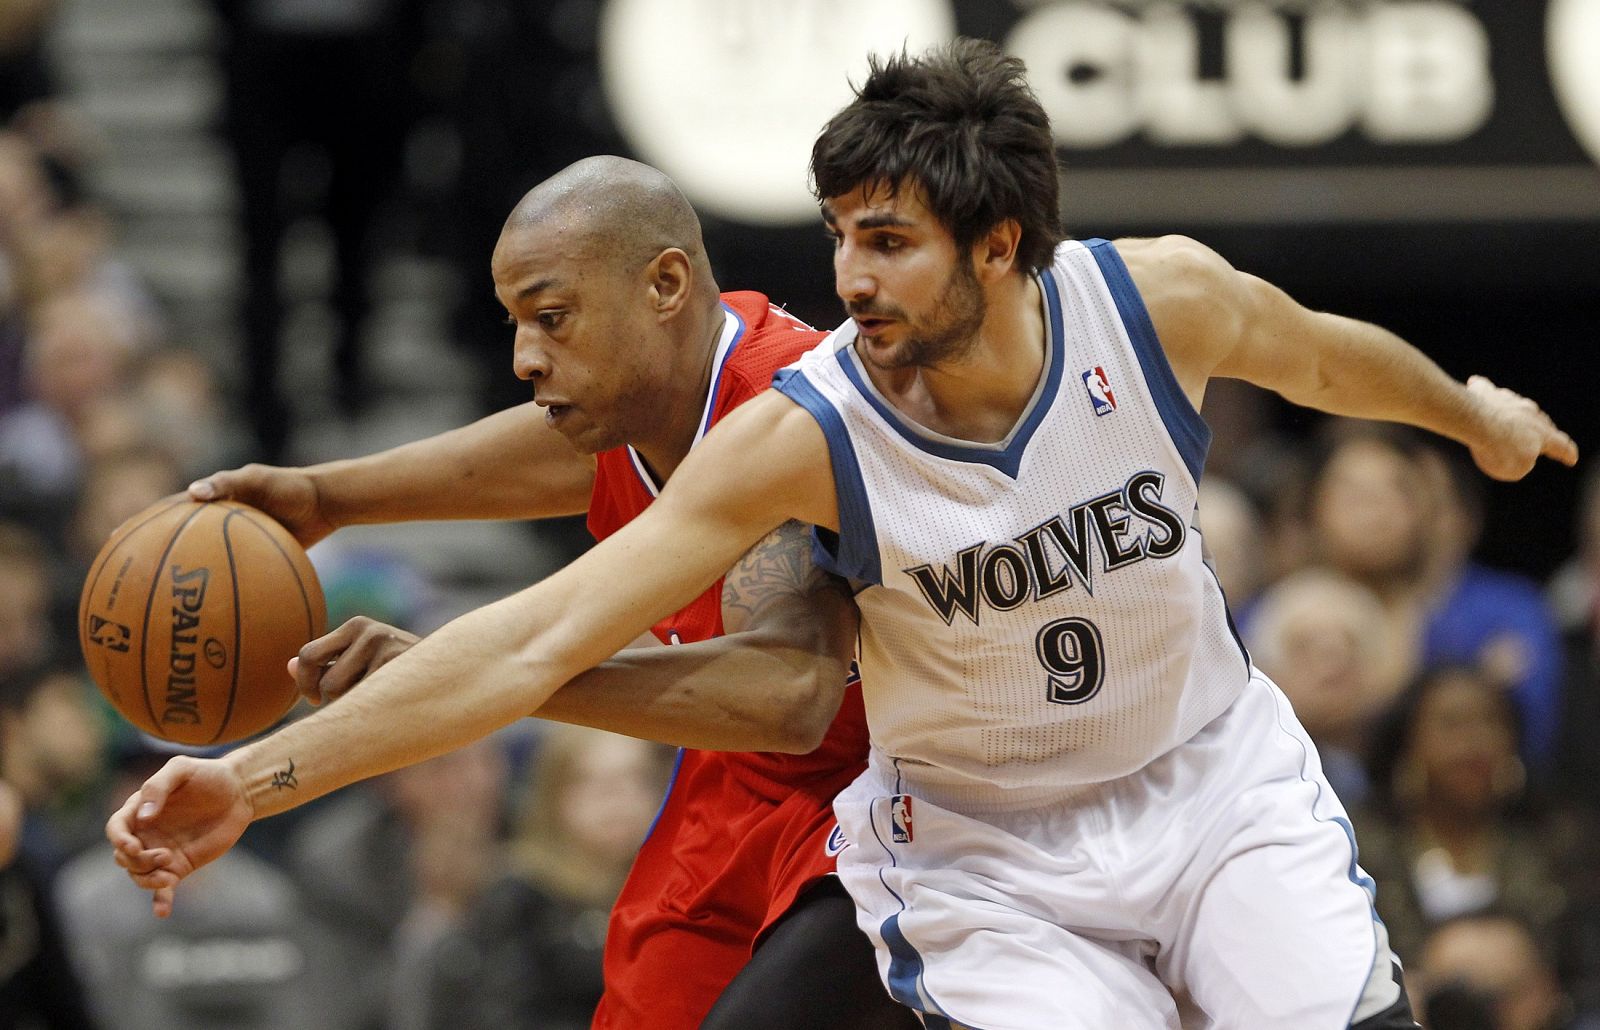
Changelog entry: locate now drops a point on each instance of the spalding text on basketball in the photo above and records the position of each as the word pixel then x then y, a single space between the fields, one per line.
pixel 188 597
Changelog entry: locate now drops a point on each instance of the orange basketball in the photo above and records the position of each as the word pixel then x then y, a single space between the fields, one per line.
pixel 189 617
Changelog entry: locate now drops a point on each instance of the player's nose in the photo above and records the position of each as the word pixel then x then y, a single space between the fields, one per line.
pixel 529 360
pixel 850 280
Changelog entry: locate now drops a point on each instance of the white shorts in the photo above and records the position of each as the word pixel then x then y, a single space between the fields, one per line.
pixel 1221 879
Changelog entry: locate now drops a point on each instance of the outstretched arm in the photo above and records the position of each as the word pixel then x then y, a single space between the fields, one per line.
pixel 765 464
pixel 510 465
pixel 1214 320
pixel 772 682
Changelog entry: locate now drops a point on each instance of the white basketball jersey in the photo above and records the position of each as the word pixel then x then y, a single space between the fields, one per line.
pixel 1037 613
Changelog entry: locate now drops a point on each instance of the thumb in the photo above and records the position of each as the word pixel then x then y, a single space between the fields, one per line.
pixel 207 489
pixel 153 795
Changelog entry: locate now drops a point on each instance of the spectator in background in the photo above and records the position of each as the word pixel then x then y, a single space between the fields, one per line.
pixel 25 632
pixel 331 77
pixel 117 485
pixel 383 869
pixel 526 952
pixel 1381 514
pixel 24 203
pixel 53 753
pixel 1249 452
pixel 1452 832
pixel 1235 539
pixel 1324 639
pixel 1494 619
pixel 38 988
pixel 1486 972
pixel 75 361
pixel 1368 514
pixel 180 408
pixel 239 954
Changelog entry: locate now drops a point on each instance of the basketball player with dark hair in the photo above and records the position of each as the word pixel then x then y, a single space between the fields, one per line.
pixel 1083 805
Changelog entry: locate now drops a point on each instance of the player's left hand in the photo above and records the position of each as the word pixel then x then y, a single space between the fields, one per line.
pixel 186 815
pixel 1519 433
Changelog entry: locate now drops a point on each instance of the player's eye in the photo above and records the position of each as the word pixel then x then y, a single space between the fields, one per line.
pixel 833 236
pixel 888 243
pixel 510 319
pixel 551 320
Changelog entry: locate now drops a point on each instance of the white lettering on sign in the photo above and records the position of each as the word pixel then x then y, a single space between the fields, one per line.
pixel 1401 72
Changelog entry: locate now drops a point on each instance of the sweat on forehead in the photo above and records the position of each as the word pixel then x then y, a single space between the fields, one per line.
pixel 611 207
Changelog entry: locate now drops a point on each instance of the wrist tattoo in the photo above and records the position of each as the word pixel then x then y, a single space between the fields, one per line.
pixel 285 778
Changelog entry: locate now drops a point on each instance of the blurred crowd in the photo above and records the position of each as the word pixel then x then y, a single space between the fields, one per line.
pixel 1454 704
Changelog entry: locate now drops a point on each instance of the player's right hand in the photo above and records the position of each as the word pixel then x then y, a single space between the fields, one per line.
pixel 1518 433
pixel 332 664
pixel 287 494
pixel 186 815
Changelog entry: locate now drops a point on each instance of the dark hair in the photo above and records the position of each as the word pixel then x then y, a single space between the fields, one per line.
pixel 961 123
pixel 1390 739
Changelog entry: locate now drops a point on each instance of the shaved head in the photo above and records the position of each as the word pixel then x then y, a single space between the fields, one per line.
pixel 612 209
pixel 603 272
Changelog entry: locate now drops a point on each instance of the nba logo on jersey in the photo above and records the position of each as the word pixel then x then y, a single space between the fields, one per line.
pixel 900 819
pixel 1099 387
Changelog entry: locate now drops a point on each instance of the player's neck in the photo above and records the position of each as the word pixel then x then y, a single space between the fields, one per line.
pixel 681 400
pixel 980 395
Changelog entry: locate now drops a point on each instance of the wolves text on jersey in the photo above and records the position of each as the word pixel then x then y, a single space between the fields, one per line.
pixel 1046 559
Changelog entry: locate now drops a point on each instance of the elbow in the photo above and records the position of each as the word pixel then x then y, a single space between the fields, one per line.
pixel 812 706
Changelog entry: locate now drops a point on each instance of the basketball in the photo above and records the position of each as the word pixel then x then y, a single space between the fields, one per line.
pixel 190 614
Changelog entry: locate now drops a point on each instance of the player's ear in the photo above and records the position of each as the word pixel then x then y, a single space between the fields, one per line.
pixel 670 278
pixel 995 252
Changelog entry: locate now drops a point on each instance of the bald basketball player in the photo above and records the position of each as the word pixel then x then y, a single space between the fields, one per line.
pixel 633 354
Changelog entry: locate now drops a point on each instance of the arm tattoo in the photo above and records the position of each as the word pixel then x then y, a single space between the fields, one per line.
pixel 285 778
pixel 777 569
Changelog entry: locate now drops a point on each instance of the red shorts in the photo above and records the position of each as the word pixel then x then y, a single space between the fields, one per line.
pixel 726 858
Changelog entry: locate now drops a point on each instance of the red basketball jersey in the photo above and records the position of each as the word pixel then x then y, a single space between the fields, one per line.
pixel 758 339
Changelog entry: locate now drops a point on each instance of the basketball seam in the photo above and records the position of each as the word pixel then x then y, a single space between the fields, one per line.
pixel 305 595
pixel 238 632
pixel 144 635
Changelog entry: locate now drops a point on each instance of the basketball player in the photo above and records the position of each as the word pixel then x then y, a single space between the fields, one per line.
pixel 1083 807
pixel 633 356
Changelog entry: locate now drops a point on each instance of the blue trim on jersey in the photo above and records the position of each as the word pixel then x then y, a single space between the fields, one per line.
pixel 852 553
pixel 672 781
pixel 1357 877
pixel 1007 459
pixel 905 963
pixel 1184 424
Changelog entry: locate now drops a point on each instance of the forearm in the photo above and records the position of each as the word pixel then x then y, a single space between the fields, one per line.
pixel 491 666
pixel 724 694
pixel 452 687
pixel 505 466
pixel 1364 371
